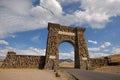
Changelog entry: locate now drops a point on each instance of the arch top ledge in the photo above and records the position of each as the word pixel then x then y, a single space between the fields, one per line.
pixel 59 27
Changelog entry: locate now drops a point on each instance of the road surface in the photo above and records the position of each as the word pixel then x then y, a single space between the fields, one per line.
pixel 92 75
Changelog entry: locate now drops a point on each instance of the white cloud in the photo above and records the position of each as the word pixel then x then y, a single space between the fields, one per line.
pixel 96 55
pixel 94 49
pixel 21 15
pixel 67 1
pixel 98 12
pixel 3 52
pixel 52 5
pixel 36 38
pixel 4 42
pixel 13 16
pixel 116 51
pixel 106 44
pixel 106 50
pixel 29 51
pixel 103 46
pixel 92 41
pixel 12 35
pixel 18 6
pixel 66 55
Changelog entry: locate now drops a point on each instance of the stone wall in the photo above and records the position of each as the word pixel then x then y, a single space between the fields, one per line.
pixel 23 61
pixel 98 62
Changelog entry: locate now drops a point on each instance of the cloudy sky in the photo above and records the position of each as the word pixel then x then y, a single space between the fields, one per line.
pixel 23 25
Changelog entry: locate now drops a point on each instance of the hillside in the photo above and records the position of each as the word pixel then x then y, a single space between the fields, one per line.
pixel 115 58
pixel 66 63
pixel 65 60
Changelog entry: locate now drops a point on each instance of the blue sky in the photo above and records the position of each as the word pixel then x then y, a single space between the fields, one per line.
pixel 23 25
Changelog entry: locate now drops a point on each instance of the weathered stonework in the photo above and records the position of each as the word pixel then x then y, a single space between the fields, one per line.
pixel 23 61
pixel 58 34
pixel 98 62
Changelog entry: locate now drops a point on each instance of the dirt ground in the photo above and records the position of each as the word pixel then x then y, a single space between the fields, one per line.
pixel 28 74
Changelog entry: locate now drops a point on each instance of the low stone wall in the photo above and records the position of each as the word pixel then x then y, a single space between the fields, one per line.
pixel 23 61
pixel 98 62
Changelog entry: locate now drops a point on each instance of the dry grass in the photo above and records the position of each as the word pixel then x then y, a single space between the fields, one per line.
pixel 115 58
pixel 112 69
pixel 67 64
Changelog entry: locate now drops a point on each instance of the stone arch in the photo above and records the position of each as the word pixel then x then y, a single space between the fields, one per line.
pixel 59 33
pixel 66 41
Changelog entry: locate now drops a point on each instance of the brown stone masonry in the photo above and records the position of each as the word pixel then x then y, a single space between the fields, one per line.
pixel 58 34
pixel 98 62
pixel 23 61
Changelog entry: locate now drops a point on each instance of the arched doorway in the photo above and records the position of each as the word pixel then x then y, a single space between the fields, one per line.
pixel 57 34
pixel 66 55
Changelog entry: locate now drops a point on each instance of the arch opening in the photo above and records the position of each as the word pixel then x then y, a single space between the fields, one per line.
pixel 66 52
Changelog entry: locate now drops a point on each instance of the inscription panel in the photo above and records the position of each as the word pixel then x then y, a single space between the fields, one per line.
pixel 52 57
pixel 66 33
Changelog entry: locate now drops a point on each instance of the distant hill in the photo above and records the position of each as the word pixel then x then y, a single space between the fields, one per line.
pixel 65 60
pixel 115 57
pixel 66 63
